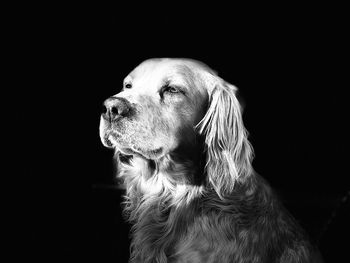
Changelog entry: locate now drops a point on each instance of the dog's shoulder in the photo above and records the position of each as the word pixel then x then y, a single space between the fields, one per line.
pixel 250 225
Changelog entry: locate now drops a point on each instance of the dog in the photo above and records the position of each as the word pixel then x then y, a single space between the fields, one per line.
pixel 184 159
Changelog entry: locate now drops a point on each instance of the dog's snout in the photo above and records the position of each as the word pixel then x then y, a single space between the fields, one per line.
pixel 116 107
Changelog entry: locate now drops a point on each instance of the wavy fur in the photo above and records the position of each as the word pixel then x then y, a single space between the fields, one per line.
pixel 229 152
pixel 200 200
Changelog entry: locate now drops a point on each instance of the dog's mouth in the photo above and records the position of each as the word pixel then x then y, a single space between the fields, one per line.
pixel 146 154
pixel 111 141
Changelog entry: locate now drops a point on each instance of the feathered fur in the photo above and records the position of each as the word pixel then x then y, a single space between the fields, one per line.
pixel 229 152
pixel 201 201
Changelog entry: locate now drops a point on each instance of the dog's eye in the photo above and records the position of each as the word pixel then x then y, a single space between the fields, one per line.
pixel 171 89
pixel 128 86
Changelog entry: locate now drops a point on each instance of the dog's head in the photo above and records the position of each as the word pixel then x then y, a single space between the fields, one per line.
pixel 165 104
pixel 162 100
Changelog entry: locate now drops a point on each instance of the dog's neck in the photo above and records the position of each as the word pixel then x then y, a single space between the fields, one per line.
pixel 172 179
pixel 162 195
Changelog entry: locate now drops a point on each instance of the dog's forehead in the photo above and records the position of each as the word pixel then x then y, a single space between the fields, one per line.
pixel 156 71
pixel 153 70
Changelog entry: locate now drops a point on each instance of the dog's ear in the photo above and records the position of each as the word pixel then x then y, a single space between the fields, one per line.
pixel 229 152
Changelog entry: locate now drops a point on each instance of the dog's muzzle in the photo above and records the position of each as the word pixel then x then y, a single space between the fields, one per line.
pixel 113 110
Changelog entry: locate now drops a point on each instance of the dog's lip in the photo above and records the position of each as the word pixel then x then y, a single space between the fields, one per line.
pixel 149 155
pixel 108 143
pixel 155 154
pixel 157 151
pixel 110 139
pixel 128 151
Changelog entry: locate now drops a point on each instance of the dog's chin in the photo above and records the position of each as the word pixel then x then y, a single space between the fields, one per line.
pixel 153 154
pixel 112 142
pixel 143 153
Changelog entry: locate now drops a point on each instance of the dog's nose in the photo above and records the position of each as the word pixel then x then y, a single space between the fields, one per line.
pixel 115 107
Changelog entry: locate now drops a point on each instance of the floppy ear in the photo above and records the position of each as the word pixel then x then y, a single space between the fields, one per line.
pixel 229 152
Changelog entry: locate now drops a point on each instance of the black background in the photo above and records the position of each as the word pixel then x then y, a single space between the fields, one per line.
pixel 286 62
